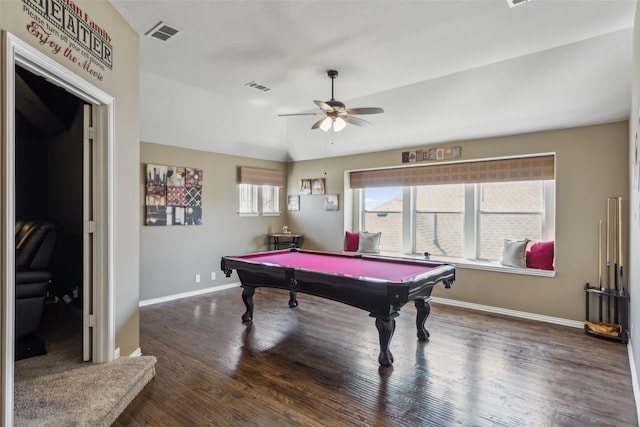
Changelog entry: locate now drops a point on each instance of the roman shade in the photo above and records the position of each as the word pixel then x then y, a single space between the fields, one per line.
pixel 258 176
pixel 498 170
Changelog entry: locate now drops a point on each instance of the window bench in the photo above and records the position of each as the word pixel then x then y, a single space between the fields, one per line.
pixel 494 266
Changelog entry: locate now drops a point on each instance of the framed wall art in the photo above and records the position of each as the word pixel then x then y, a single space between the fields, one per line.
pixel 331 202
pixel 305 187
pixel 317 186
pixel 173 195
pixel 293 203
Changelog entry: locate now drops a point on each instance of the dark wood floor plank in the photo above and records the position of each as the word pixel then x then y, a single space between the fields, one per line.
pixel 316 365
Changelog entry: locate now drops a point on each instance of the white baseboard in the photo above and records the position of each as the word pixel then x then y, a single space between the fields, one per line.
pixel 634 378
pixel 187 294
pixel 136 353
pixel 512 313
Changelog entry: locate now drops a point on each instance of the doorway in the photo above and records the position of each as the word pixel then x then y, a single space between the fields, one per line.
pixel 96 229
pixel 48 192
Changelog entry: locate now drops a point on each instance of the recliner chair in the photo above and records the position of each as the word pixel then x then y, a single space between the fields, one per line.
pixel 35 240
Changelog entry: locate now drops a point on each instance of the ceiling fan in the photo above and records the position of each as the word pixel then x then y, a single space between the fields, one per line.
pixel 335 112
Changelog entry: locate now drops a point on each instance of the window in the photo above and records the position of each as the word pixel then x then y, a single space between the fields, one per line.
pixel 270 200
pixel 259 191
pixel 383 212
pixel 460 210
pixel 509 210
pixel 439 219
pixel 256 199
pixel 248 199
pixel 468 221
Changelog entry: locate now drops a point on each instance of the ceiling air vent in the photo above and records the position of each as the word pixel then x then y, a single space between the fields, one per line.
pixel 514 3
pixel 258 86
pixel 163 32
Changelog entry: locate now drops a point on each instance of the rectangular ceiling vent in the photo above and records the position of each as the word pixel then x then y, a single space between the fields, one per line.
pixel 258 86
pixel 163 32
pixel 514 3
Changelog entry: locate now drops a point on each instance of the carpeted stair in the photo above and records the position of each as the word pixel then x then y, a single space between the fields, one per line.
pixel 90 395
pixel 59 389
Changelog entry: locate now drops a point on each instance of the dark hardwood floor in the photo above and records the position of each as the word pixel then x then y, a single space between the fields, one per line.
pixel 316 365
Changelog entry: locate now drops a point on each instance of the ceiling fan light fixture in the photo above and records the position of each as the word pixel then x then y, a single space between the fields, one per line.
pixel 326 124
pixel 338 124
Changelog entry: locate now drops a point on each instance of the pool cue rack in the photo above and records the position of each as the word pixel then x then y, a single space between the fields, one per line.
pixel 607 305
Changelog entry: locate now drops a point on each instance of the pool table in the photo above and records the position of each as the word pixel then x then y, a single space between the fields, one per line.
pixel 377 284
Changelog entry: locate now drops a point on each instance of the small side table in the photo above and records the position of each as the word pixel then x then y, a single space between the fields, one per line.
pixel 289 240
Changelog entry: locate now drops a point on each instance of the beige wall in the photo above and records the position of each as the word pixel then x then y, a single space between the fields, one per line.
pixel 591 165
pixel 171 256
pixel 122 82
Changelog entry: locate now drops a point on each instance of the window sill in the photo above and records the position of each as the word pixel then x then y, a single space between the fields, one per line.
pixel 482 265
pixel 259 214
pixel 499 268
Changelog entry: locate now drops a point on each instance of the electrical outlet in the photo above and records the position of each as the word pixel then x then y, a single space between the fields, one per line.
pixel 213 275
pixel 197 278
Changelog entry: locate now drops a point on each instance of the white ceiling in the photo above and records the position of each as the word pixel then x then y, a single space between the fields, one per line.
pixel 442 70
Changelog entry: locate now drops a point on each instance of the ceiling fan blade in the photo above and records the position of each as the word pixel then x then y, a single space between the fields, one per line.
pixel 299 114
pixel 324 106
pixel 356 121
pixel 372 110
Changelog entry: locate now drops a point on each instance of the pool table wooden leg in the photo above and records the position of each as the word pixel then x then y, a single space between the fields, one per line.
pixel 423 308
pixel 293 300
pixel 247 298
pixel 386 327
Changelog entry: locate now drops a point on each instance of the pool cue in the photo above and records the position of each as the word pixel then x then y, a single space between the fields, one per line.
pixel 618 258
pixel 615 244
pixel 621 257
pixel 608 262
pixel 620 239
pixel 615 255
pixel 600 269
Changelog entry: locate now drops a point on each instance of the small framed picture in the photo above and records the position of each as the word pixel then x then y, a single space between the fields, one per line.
pixel 293 203
pixel 157 174
pixel 331 202
pixel 317 186
pixel 305 186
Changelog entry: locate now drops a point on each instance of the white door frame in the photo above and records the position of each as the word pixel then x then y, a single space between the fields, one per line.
pixel 16 52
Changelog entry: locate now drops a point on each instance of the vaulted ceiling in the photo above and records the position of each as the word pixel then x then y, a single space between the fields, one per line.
pixel 442 71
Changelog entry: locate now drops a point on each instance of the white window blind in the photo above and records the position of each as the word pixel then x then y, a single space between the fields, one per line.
pixel 259 176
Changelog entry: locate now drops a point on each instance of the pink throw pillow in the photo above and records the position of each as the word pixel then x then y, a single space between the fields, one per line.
pixel 540 255
pixel 351 241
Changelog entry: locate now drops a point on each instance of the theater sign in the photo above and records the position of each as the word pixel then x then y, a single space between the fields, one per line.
pixel 62 27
